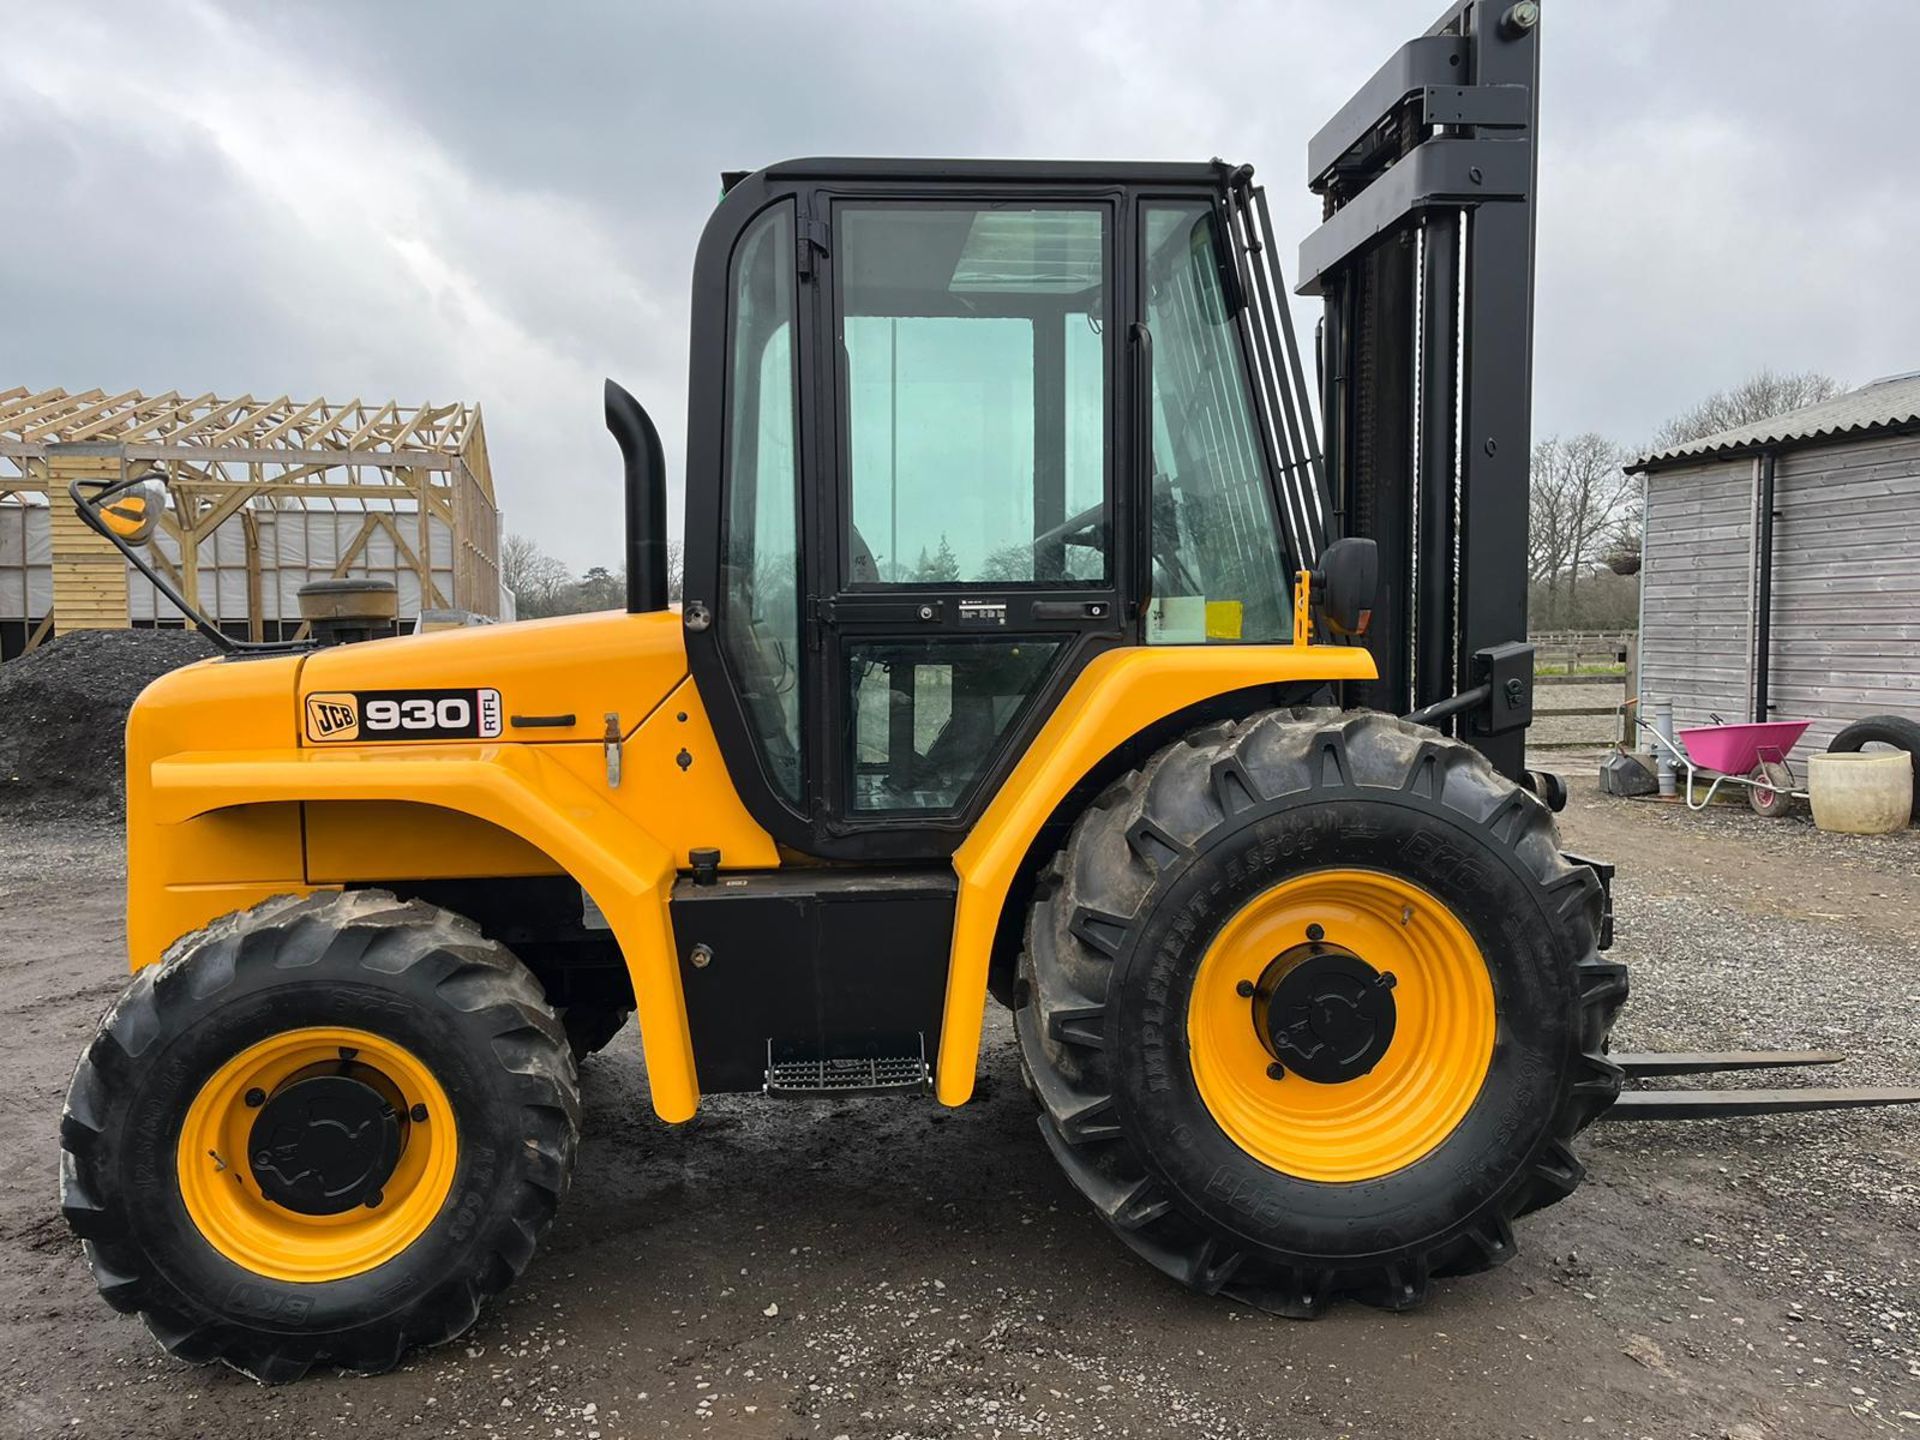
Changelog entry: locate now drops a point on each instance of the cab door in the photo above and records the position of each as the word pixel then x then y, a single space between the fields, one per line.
pixel 970 530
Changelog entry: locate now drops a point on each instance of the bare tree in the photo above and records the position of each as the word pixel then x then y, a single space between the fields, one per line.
pixel 1598 493
pixel 1579 499
pixel 1009 565
pixel 536 578
pixel 518 555
pixel 544 586
pixel 1549 536
pixel 1760 396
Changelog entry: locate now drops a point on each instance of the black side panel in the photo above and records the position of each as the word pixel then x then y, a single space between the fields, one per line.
pixel 824 964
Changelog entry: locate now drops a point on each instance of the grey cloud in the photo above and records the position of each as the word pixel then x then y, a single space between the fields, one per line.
pixel 132 267
pixel 1724 186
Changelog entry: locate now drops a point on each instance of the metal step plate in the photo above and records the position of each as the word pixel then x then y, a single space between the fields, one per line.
pixel 863 1075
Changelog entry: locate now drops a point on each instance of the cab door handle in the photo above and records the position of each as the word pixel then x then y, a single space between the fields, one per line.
pixel 1071 609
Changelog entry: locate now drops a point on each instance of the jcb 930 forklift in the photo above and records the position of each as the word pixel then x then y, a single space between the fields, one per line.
pixel 1037 643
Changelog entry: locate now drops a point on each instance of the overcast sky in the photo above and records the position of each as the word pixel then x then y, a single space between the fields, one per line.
pixel 499 201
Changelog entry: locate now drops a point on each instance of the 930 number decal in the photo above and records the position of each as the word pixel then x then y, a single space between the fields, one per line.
pixel 342 715
pixel 455 712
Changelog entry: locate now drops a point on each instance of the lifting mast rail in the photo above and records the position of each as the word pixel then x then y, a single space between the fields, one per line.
pixel 1425 265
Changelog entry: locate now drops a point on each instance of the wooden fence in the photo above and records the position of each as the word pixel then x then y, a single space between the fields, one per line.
pixel 1586 662
pixel 1575 652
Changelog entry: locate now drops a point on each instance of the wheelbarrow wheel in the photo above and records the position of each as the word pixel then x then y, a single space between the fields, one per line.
pixel 1771 794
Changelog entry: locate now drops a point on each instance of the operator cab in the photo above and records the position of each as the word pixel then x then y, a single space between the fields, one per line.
pixel 932 404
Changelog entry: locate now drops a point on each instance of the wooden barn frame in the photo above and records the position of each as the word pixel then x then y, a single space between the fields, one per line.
pixel 398 467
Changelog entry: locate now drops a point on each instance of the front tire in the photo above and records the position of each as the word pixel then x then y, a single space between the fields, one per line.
pixel 1352 855
pixel 320 1132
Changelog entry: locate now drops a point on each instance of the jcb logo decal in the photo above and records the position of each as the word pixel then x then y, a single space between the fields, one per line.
pixel 333 717
pixel 366 716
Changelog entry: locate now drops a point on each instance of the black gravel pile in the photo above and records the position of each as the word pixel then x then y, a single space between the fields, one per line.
pixel 63 709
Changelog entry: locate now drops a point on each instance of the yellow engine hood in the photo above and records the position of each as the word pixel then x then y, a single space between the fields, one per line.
pixel 586 666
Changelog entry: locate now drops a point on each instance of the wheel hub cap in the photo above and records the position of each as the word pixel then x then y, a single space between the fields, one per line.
pixel 1324 1013
pixel 317 1153
pixel 1340 1025
pixel 325 1144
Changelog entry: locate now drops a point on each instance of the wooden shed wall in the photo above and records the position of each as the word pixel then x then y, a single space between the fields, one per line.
pixel 1696 590
pixel 1846 585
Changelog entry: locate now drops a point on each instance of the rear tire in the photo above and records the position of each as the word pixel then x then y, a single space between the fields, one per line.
pixel 1150 881
pixel 254 1280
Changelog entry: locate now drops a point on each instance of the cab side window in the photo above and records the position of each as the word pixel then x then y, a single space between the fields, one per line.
pixel 975 393
pixel 759 615
pixel 1218 572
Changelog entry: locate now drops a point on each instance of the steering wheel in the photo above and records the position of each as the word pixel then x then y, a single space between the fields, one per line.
pixel 1089 528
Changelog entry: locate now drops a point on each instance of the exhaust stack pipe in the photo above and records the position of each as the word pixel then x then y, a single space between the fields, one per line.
pixel 646 475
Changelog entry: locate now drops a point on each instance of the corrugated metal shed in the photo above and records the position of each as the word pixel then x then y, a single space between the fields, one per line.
pixel 1880 405
pixel 1845 566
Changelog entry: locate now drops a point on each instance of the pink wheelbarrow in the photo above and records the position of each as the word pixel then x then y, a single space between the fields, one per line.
pixel 1751 756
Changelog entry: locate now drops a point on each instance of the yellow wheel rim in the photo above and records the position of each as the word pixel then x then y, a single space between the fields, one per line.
pixel 1419 1089
pixel 225 1201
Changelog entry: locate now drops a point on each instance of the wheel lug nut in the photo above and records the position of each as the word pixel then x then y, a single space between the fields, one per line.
pixel 1276 1071
pixel 256 1097
pixel 1386 980
pixel 418 1114
pixel 1316 933
pixel 262 1159
pixel 373 1200
pixel 1244 989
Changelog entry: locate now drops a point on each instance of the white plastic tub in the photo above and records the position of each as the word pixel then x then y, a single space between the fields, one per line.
pixel 1866 793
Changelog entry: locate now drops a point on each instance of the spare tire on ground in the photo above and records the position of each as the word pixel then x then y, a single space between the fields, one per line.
pixel 1895 731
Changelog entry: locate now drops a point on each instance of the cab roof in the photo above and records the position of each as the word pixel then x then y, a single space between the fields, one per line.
pixel 1027 172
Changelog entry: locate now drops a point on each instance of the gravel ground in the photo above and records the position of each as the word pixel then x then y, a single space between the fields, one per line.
pixel 63 708
pixel 874 1268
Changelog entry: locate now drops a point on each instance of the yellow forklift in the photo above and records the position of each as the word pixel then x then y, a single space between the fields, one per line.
pixel 1038 643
